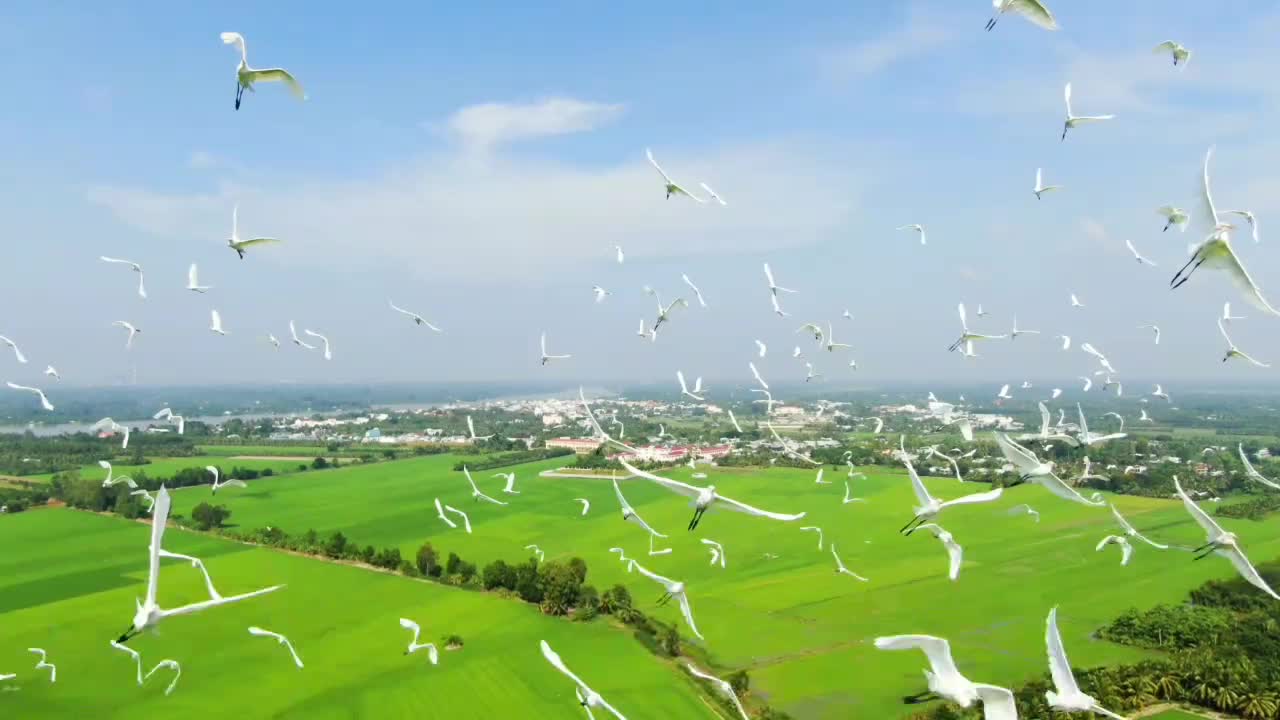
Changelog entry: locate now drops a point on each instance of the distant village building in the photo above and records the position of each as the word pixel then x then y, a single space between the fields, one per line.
pixel 581 446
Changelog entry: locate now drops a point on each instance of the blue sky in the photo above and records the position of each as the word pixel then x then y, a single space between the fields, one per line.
pixel 477 164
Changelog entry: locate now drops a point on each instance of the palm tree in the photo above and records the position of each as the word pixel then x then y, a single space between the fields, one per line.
pixel 1258 705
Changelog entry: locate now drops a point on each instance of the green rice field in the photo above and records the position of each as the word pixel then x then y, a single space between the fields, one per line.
pixel 166 467
pixel 802 631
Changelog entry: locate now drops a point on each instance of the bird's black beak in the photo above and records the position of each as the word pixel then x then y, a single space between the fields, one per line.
pixel 126 636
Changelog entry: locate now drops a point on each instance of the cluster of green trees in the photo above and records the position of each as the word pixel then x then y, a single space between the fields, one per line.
pixel 27 454
pixel 1223 653
pixel 206 516
pixel 515 457
pixel 1255 508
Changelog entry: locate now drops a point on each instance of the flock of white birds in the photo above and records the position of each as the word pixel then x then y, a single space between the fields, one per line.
pixel 1213 250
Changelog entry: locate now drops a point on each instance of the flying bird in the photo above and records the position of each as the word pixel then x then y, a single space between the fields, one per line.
pixel 247 76
pixel 149 613
pixel 1131 532
pixel 704 497
pixel 725 688
pixel 511 483
pixel 440 514
pixel 814 529
pixel 955 553
pixel 696 292
pixel 1013 335
pixel 128 343
pixel 587 697
pixel 629 513
pixel 327 354
pixel 417 319
pixel 1235 352
pixel 1088 438
pixel 761 349
pixel 1025 509
pixel 1041 188
pixel 296 341
pixel 235 242
pixel 1221 542
pixel 621 257
pixel 1138 256
pixel 547 358
pixel 433 655
pixel 1074 120
pixel 600 293
pixel 169 665
pixel 217 475
pixel 1216 250
pixel 1066 341
pixel 193 284
pixel 44 401
pixel 111 479
pixel 17 354
pixel 1035 11
pixel 142 289
pixel 215 322
pixel 52 372
pixel 1068 696
pixel 919 229
pixel 684 389
pixel 586 504
pixel 1252 472
pixel 1249 218
pixel 944 678
pixel 967 336
pixel 1075 301
pixel 1126 550
pixel 1160 393
pixel 717 551
pixel 1179 52
pixel 475 491
pixel 674 591
pixel 1030 469
pixel 840 566
pixel 537 551
pixel 1226 313
pixel 671 186
pixel 259 632
pixel 931 507
pixel 1174 216
pixel 44 663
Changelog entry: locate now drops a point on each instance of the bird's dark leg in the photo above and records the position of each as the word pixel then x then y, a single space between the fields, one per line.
pixel 914 520
pixel 919 697
pixel 1202 547
pixel 694 520
pixel 239 93
pixel 1179 273
pixel 240 253
pixel 1188 275
pixel 126 636
pixel 1065 128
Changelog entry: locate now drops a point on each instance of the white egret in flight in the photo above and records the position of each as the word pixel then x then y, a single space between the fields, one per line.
pixel 433 655
pixel 814 529
pixel 671 186
pixel 919 229
pixel 193 283
pixel 1216 250
pixel 293 332
pixel 1041 188
pixel 440 514
pixel 44 663
pixel 17 354
pixel 259 632
pixel 149 613
pixel 840 566
pixel 110 479
pixel 717 551
pixel 475 491
pixel 1252 472
pixel 247 76
pixel 674 591
pixel 696 292
pixel 930 507
pixel 1068 696
pixel 52 372
pixel 1223 543
pixel 142 289
pixel 547 358
pixel 1131 532
pixel 128 343
pixel 725 688
pixel 215 322
pixel 955 553
pixel 417 319
pixel 629 513
pixel 1030 469
pixel 235 242
pixel 944 678
pixel 44 401
pixel 217 475
pixel 1126 550
pixel 704 497
pixel 586 504
pixel 1235 352
pixel 1160 393
pixel 684 388
pixel 1074 120
pixel 966 336
pixel 1025 509
pixel 1179 52
pixel 537 551
pixel 1226 313
pixel 327 354
pixel 587 697
pixel 1249 218
pixel 1138 256
pixel 1035 11
pixel 1174 216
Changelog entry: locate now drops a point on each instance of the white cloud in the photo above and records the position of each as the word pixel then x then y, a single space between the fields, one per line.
pixel 493 124
pixel 918 36
pixel 446 217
